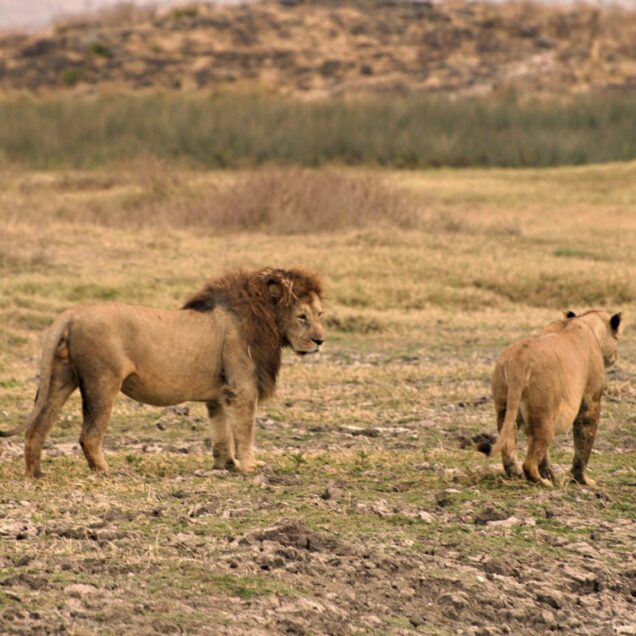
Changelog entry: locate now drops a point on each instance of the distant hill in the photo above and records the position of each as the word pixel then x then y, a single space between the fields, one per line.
pixel 322 48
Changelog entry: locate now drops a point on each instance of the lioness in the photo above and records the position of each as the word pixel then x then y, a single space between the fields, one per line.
pixel 549 383
pixel 222 348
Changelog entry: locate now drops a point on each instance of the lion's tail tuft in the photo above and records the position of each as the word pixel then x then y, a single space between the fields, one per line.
pixel 484 443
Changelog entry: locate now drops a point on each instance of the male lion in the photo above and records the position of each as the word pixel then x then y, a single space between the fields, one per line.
pixel 222 348
pixel 549 383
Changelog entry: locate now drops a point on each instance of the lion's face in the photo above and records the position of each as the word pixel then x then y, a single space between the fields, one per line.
pixel 607 329
pixel 609 343
pixel 302 325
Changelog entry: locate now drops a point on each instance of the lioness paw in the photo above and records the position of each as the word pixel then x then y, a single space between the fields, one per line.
pixel 245 465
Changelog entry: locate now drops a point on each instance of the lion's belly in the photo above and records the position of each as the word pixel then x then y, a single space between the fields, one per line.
pixel 565 418
pixel 157 392
pixel 566 412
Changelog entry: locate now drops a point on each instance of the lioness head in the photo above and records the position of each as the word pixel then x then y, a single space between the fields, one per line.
pixel 607 329
pixel 609 345
pixel 298 310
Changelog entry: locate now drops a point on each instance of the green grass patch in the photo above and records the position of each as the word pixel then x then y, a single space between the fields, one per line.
pixel 233 130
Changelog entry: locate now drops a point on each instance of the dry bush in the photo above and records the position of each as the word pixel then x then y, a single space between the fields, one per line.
pixel 297 200
pixel 277 200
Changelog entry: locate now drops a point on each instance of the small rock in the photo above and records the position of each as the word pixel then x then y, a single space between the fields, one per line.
pixel 509 522
pixel 547 617
pixel 489 514
pixel 331 491
pixel 551 597
pixel 232 513
pixel 79 590
pixel 260 480
pixel 458 600
pixel 583 548
pixel 373 619
pixel 417 620
pixel 579 575
pixel 197 510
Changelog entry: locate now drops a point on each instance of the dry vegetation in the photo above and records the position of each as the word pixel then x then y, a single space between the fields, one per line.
pixel 372 515
pixel 230 130
pixel 272 200
pixel 322 48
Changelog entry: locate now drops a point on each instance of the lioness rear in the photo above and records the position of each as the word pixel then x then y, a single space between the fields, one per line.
pixel 549 383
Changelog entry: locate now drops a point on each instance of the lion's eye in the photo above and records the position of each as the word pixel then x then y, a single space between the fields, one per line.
pixel 302 317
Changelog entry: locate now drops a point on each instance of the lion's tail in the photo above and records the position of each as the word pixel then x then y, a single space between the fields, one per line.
pixel 507 440
pixel 505 443
pixel 54 339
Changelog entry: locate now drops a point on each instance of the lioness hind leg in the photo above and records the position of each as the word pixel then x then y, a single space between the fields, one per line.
pixel 545 469
pixel 222 439
pixel 538 445
pixel 509 459
pixel 97 404
pixel 63 383
pixel 584 430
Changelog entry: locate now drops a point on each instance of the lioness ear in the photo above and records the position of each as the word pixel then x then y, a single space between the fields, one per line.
pixel 615 323
pixel 569 314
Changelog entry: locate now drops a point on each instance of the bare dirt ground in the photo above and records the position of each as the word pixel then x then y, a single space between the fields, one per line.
pixel 372 513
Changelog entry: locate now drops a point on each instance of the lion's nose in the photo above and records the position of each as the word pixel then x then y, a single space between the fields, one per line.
pixel 318 341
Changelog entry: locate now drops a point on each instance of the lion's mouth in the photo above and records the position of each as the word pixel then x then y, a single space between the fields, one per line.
pixel 308 353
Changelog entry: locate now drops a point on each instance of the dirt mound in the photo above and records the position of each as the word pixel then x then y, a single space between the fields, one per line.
pixel 323 48
pixel 295 534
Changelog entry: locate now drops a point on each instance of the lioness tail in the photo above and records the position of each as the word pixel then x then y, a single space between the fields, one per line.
pixel 506 442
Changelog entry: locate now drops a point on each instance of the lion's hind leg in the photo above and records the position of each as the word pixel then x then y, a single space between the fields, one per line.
pixel 545 468
pixel 584 430
pixel 509 459
pixel 221 434
pixel 540 437
pixel 98 396
pixel 62 384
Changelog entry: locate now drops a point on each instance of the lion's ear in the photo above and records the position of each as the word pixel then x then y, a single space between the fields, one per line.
pixel 275 291
pixel 615 323
pixel 569 314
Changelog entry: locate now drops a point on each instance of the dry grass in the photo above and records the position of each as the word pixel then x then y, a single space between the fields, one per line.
pixel 358 444
pixel 116 15
pixel 350 47
pixel 275 200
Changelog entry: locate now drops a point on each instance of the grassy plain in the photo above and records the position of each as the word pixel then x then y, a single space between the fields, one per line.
pixel 372 513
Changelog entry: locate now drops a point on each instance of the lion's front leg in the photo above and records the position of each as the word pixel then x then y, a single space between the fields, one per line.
pixel 239 396
pixel 221 435
pixel 241 416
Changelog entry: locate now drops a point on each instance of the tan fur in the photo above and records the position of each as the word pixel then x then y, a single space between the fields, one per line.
pixel 549 384
pixel 223 348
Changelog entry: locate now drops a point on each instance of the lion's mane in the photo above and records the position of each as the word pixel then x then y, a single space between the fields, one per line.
pixel 248 295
